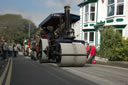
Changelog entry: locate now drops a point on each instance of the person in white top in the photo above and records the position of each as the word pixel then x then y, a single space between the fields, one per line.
pixel 15 50
pixel 10 50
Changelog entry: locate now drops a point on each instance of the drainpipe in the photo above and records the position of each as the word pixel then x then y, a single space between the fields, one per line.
pixel 82 24
pixel 96 34
pixel 97 12
pixel 82 21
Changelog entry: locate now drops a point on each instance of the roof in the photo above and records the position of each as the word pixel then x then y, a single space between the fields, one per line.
pixel 53 19
pixel 86 2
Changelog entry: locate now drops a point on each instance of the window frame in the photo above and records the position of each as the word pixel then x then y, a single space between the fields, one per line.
pixel 119 31
pixel 90 37
pixel 109 5
pixel 116 4
pixel 86 38
pixel 86 13
pixel 92 12
pixel 89 13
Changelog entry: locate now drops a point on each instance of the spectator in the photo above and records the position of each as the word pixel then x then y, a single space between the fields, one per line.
pixel 10 50
pixel 37 42
pixel 1 52
pixel 5 50
pixel 0 48
pixel 88 49
pixel 28 48
pixel 15 50
pixel 92 54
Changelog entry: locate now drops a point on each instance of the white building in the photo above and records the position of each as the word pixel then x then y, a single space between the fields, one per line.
pixel 96 14
pixel 76 27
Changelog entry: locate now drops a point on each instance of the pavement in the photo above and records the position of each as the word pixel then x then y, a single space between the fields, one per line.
pixel 3 64
pixel 24 71
pixel 105 61
pixel 5 67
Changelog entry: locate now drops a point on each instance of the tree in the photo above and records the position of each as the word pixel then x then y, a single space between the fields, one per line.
pixel 15 28
pixel 112 44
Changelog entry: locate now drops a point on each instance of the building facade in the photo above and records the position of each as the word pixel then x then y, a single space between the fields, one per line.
pixel 76 27
pixel 96 14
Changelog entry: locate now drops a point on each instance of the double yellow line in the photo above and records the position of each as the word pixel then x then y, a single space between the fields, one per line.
pixel 6 76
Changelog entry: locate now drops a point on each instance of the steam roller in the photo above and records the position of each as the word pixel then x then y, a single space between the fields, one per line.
pixel 58 42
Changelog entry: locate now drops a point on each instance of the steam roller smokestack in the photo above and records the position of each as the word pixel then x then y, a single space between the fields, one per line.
pixel 67 17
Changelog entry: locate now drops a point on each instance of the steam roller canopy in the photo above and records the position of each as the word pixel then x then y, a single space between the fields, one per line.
pixel 72 54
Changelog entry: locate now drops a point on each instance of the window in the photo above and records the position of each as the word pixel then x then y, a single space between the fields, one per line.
pixel 86 12
pixel 120 31
pixel 115 4
pixel 85 36
pixel 92 12
pixel 120 7
pixel 91 36
pixel 111 7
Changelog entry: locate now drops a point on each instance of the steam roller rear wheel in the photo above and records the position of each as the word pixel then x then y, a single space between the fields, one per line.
pixel 42 54
pixel 72 54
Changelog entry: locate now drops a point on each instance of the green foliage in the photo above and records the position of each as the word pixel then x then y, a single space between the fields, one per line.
pixel 15 28
pixel 113 46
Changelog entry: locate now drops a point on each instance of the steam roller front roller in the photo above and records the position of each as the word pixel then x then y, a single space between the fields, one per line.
pixel 72 54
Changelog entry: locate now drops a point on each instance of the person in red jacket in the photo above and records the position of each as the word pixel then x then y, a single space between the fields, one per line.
pixel 92 54
pixel 28 47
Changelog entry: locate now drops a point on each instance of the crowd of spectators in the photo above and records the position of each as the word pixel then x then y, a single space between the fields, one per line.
pixel 7 49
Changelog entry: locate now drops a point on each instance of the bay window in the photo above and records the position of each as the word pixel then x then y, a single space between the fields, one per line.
pixel 85 36
pixel 91 36
pixel 111 7
pixel 115 7
pixel 120 7
pixel 90 12
pixel 86 12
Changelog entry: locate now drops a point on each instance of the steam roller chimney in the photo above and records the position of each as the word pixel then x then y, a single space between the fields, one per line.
pixel 67 17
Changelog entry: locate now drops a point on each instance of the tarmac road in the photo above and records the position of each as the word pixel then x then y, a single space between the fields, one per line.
pixel 102 74
pixel 28 72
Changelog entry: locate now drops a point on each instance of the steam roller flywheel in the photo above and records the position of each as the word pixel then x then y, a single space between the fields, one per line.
pixel 72 54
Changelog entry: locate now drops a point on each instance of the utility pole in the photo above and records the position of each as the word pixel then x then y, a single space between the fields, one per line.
pixel 29 27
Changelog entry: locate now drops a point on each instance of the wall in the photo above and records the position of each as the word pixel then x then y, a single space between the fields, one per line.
pixel 76 27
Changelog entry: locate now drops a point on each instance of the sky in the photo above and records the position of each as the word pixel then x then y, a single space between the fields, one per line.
pixel 37 10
